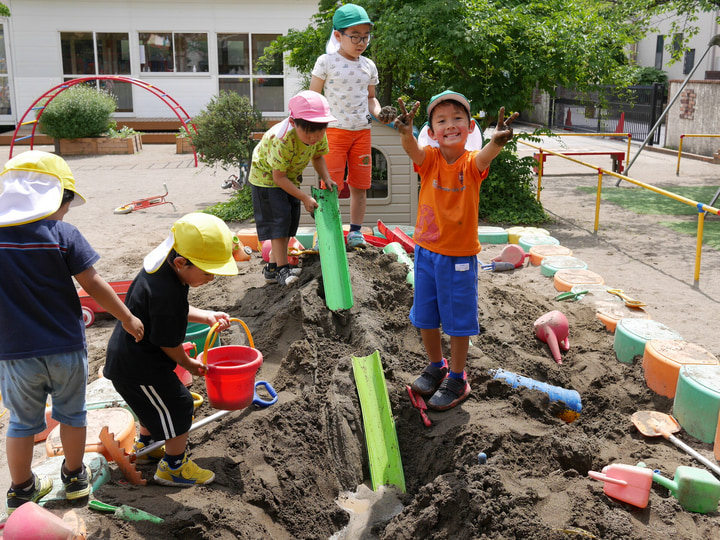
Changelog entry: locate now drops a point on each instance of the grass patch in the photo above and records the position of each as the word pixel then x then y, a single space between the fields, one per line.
pixel 711 230
pixel 644 201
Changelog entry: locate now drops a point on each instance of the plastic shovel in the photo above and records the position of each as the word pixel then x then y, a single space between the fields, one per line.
pixel 419 403
pixel 569 295
pixel 629 302
pixel 654 424
pixel 496 266
pixel 125 512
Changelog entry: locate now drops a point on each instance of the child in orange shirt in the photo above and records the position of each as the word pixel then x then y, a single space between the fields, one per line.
pixel 446 239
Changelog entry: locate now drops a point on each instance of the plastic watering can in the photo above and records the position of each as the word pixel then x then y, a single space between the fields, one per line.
pixel 512 254
pixel 626 483
pixel 697 490
pixel 552 328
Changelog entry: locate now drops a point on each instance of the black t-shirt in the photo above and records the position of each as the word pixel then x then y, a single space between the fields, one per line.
pixel 160 301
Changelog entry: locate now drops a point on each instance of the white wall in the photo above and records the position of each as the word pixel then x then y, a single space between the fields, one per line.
pixel 33 37
pixel 708 29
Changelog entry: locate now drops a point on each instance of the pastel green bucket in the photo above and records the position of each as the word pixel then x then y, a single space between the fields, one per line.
pixel 196 334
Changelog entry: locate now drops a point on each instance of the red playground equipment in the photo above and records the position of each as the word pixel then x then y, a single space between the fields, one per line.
pixel 90 307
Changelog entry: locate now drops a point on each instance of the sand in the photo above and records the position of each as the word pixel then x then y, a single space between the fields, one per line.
pixel 282 471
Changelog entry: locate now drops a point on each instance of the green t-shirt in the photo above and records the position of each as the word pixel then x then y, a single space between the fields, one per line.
pixel 289 155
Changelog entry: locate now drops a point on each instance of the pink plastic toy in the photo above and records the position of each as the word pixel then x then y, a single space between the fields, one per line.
pixel 293 246
pixel 627 483
pixel 33 522
pixel 552 328
pixel 513 254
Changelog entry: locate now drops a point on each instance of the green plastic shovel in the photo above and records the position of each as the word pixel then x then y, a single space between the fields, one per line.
pixel 125 512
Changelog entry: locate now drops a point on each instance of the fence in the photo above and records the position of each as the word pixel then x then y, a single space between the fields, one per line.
pixel 633 110
pixel 701 207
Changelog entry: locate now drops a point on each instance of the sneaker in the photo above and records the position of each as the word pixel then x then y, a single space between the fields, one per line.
pixel 285 276
pixel 16 498
pixel 451 392
pixel 77 485
pixel 429 380
pixel 355 239
pixel 269 275
pixel 186 475
pixel 151 457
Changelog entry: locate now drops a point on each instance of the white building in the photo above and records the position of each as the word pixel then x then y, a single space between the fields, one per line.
pixel 190 50
pixel 652 52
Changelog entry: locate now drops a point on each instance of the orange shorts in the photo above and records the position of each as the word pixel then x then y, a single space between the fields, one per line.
pixel 351 148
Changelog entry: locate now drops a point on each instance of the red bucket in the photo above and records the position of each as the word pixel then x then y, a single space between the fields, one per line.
pixel 231 369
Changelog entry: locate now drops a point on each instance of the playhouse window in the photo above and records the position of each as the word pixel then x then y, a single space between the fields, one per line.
pixel 379 187
pixel 243 69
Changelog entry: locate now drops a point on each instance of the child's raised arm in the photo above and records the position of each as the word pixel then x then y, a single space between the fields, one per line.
pixel 503 135
pixel 404 125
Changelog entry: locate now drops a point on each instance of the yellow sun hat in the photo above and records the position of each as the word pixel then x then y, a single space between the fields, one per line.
pixel 204 240
pixel 31 187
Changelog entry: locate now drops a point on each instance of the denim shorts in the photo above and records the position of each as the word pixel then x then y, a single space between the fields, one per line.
pixel 277 213
pixel 446 293
pixel 25 385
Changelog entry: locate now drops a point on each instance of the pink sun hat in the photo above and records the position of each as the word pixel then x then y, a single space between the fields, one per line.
pixel 311 106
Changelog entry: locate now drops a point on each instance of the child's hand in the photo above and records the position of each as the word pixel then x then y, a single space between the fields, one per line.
pixel 311 204
pixel 387 114
pixel 135 328
pixel 218 317
pixel 404 121
pixel 503 132
pixel 328 184
pixel 196 367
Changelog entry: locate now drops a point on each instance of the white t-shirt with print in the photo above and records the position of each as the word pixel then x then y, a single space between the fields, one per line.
pixel 346 88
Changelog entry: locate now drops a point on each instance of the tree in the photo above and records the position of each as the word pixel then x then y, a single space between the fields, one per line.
pixel 225 128
pixel 496 53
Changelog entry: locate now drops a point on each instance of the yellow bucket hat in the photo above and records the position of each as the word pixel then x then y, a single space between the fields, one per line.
pixel 31 187
pixel 204 240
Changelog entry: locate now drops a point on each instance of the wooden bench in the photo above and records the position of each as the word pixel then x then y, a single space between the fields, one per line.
pixel 617 157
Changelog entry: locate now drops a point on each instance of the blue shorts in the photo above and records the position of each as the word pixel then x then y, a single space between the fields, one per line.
pixel 277 213
pixel 25 385
pixel 446 293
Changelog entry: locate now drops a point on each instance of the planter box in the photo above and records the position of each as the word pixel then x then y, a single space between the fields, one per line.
pixel 183 145
pixel 98 146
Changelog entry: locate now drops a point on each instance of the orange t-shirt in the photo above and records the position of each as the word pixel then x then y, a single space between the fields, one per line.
pixel 447 218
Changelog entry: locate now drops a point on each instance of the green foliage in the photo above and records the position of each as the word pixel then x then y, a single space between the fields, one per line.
pixel 646 76
pixel 122 133
pixel 507 195
pixel 224 130
pixel 238 208
pixel 79 111
pixel 4 11
pixel 494 52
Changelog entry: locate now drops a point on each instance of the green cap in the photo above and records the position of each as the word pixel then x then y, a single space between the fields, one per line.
pixel 350 15
pixel 446 95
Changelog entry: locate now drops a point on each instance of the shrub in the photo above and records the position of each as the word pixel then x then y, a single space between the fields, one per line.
pixel 238 208
pixel 224 130
pixel 507 195
pixel 80 111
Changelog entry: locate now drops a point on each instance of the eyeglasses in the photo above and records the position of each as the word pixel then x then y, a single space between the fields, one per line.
pixel 358 39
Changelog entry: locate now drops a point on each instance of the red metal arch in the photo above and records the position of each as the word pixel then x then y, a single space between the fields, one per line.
pixel 182 115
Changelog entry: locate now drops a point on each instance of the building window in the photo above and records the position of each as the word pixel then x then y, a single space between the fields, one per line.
pixel 659 46
pixel 689 61
pixel 99 53
pixel 242 69
pixel 5 107
pixel 173 52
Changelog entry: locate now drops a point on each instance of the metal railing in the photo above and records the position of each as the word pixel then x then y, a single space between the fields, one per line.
pixel 677 171
pixel 701 207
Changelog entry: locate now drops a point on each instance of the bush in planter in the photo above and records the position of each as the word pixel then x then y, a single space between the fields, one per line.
pixel 79 111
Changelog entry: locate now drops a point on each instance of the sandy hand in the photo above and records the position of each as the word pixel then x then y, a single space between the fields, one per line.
pixel 503 132
pixel 405 120
pixel 387 114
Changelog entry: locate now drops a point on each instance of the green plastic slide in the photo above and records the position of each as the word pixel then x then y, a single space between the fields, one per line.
pixel 331 244
pixel 380 435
